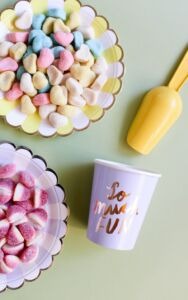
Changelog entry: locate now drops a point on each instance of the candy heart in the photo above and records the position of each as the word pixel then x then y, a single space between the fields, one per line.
pixel 58 95
pixel 95 47
pixel 66 60
pixel 88 32
pixel 30 63
pixel 7 170
pixel 12 261
pixel 41 42
pixel 15 213
pixel 45 58
pixel 4 48
pixel 17 51
pixel 27 231
pixel 41 99
pixel 59 25
pixel 14 237
pixel 15 92
pixel 63 38
pixel 12 250
pixel 100 66
pixel 35 33
pixel 39 80
pixel 26 179
pixel 27 86
pixel 38 216
pixel 78 39
pixel 24 21
pixel 6 80
pixel 54 75
pixel 8 64
pixel 90 96
pixel 27 106
pixel 48 25
pixel 38 21
pixel 16 37
pixel 83 74
pixel 57 120
pixel 6 190
pixel 76 100
pixel 40 197
pixel 29 254
pixel 74 87
pixel 46 110
pixel 83 55
pixel 74 20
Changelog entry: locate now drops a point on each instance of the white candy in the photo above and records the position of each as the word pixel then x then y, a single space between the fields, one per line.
pixel 88 32
pixel 100 66
pixel 90 96
pixel 24 22
pixel 99 82
pixel 57 120
pixel 26 85
pixel 74 87
pixel 76 100
pixel 4 48
pixel 46 110
pixel 83 54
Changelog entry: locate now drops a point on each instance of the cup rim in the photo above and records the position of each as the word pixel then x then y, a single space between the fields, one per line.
pixel 125 167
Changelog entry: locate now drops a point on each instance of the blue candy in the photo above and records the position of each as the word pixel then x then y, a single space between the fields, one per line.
pixel 95 47
pixel 20 72
pixel 38 21
pixel 57 13
pixel 45 89
pixel 78 39
pixel 35 33
pixel 57 50
pixel 28 52
pixel 41 42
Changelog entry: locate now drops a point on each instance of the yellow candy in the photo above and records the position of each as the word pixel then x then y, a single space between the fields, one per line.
pixel 48 25
pixel 39 80
pixel 58 95
pixel 83 74
pixel 6 80
pixel 69 111
pixel 30 63
pixel 74 20
pixel 55 75
pixel 90 62
pixel 27 107
pixel 17 51
pixel 59 25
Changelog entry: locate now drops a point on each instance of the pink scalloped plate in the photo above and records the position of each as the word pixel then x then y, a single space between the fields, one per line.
pixel 50 243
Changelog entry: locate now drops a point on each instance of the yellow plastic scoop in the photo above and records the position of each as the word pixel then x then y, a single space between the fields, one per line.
pixel 160 108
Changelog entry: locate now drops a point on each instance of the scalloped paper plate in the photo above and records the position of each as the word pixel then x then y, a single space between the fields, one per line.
pixel 52 238
pixel 113 54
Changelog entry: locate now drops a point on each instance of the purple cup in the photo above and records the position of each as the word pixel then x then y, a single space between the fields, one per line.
pixel 121 195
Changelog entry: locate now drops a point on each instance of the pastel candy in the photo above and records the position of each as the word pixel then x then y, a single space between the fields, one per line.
pixel 48 25
pixel 4 268
pixel 74 20
pixel 17 51
pixel 41 42
pixel 58 95
pixel 14 236
pixel 95 47
pixel 13 250
pixel 88 32
pixel 7 170
pixel 15 213
pixel 27 231
pixel 27 86
pixel 6 80
pixel 57 120
pixel 12 261
pixel 99 82
pixel 100 66
pixel 59 25
pixel 91 96
pixel 35 33
pixel 30 63
pixel 4 48
pixel 78 39
pixel 45 58
pixel 21 193
pixel 29 254
pixel 15 92
pixel 16 37
pixel 38 217
pixel 66 60
pixel 46 110
pixel 28 52
pixel 39 80
pixel 27 106
pixel 83 74
pixel 76 100
pixel 6 190
pixel 24 21
pixel 40 197
pixel 57 50
pixel 41 99
pixel 57 13
pixel 20 72
pixel 26 179
pixel 45 89
pixel 38 21
pixel 83 54
pixel 8 64
pixel 55 76
pixel 90 62
pixel 74 87
pixel 69 111
pixel 63 38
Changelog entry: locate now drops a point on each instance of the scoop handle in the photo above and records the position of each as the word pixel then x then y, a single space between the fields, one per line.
pixel 181 74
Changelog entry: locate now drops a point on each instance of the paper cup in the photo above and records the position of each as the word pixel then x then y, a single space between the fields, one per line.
pixel 121 195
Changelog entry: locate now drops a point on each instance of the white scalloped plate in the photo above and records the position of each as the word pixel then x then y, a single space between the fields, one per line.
pixel 113 54
pixel 52 238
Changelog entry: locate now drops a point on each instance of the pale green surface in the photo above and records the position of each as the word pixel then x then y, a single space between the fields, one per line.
pixel 154 34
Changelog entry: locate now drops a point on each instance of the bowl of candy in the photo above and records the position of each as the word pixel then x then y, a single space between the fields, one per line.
pixel 60 66
pixel 33 216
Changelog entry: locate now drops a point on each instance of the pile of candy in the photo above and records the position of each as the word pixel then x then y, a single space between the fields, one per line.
pixel 54 64
pixel 22 217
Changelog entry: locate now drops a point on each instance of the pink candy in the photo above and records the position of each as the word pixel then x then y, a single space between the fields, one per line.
pixel 16 37
pixel 7 171
pixel 63 38
pixel 21 193
pixel 66 60
pixel 15 213
pixel 26 179
pixel 11 261
pixel 6 190
pixel 8 64
pixel 41 99
pixel 12 250
pixel 45 59
pixel 29 254
pixel 40 198
pixel 38 217
pixel 27 205
pixel 14 237
pixel 15 92
pixel 27 231
pixel 4 227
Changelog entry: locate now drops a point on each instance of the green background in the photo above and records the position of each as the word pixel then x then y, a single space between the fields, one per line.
pixel 154 36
